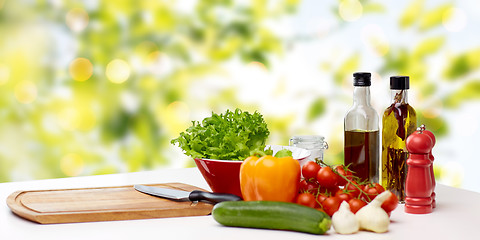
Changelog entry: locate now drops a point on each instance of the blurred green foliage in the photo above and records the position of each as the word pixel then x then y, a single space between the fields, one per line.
pixel 65 118
pixel 317 109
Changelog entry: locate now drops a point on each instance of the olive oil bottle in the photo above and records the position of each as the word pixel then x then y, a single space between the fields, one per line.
pixel 398 122
pixel 361 132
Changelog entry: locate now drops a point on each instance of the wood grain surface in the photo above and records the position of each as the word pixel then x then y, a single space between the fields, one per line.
pixel 102 204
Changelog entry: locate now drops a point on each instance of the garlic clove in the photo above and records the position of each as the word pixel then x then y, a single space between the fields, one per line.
pixel 344 221
pixel 372 217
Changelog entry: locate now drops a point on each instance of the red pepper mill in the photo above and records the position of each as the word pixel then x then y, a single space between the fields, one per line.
pixel 419 186
pixel 430 134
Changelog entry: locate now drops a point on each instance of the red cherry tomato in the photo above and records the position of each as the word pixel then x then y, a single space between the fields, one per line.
pixel 306 199
pixel 343 195
pixel 328 191
pixel 331 205
pixel 327 178
pixel 320 209
pixel 419 142
pixel 372 190
pixel 356 204
pixel 377 187
pixel 321 197
pixel 342 170
pixel 353 188
pixel 308 186
pixel 390 204
pixel 310 170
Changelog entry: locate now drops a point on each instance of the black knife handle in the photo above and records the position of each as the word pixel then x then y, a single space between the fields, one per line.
pixel 197 195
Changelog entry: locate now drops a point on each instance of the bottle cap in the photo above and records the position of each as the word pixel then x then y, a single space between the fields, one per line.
pixel 362 79
pixel 399 82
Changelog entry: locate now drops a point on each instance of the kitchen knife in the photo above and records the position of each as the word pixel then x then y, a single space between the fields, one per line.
pixel 181 195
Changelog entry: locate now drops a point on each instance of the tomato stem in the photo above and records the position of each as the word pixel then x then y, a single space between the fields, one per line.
pixel 348 180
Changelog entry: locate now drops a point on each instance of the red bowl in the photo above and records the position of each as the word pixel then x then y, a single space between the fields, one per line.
pixel 223 176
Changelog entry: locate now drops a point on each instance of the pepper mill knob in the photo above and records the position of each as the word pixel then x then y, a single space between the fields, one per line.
pixel 418 185
pixel 419 142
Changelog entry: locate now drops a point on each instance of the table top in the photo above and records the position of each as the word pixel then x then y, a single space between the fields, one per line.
pixel 456 215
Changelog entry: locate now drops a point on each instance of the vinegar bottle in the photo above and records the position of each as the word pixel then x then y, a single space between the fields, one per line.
pixel 361 146
pixel 399 121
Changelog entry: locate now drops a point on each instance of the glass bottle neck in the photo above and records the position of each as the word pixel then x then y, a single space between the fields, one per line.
pixel 399 96
pixel 361 96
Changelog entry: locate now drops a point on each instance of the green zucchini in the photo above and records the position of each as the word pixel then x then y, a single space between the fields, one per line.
pixel 271 215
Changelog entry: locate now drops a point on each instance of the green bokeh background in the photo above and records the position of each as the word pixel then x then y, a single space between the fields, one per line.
pixel 151 67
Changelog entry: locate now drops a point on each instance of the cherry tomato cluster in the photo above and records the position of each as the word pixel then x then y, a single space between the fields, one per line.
pixel 326 187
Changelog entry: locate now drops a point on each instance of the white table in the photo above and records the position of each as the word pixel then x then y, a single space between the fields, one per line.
pixel 457 216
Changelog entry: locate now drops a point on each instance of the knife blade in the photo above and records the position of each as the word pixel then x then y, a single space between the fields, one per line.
pixel 180 195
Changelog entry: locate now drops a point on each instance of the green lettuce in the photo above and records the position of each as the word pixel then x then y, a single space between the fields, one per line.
pixel 229 136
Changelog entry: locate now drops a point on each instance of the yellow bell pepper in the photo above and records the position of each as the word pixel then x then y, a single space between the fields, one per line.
pixel 269 178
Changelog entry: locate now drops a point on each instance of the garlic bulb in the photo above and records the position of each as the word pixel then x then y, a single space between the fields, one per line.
pixel 344 221
pixel 372 217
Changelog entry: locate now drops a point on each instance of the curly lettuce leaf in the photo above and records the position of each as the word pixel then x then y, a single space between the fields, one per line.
pixel 228 136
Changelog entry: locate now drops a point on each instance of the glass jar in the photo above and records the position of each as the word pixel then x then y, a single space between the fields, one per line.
pixel 314 143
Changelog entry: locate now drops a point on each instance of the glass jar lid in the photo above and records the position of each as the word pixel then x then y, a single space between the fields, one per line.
pixel 309 142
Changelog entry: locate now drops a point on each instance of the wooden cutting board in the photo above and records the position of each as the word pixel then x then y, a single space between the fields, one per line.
pixel 102 204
